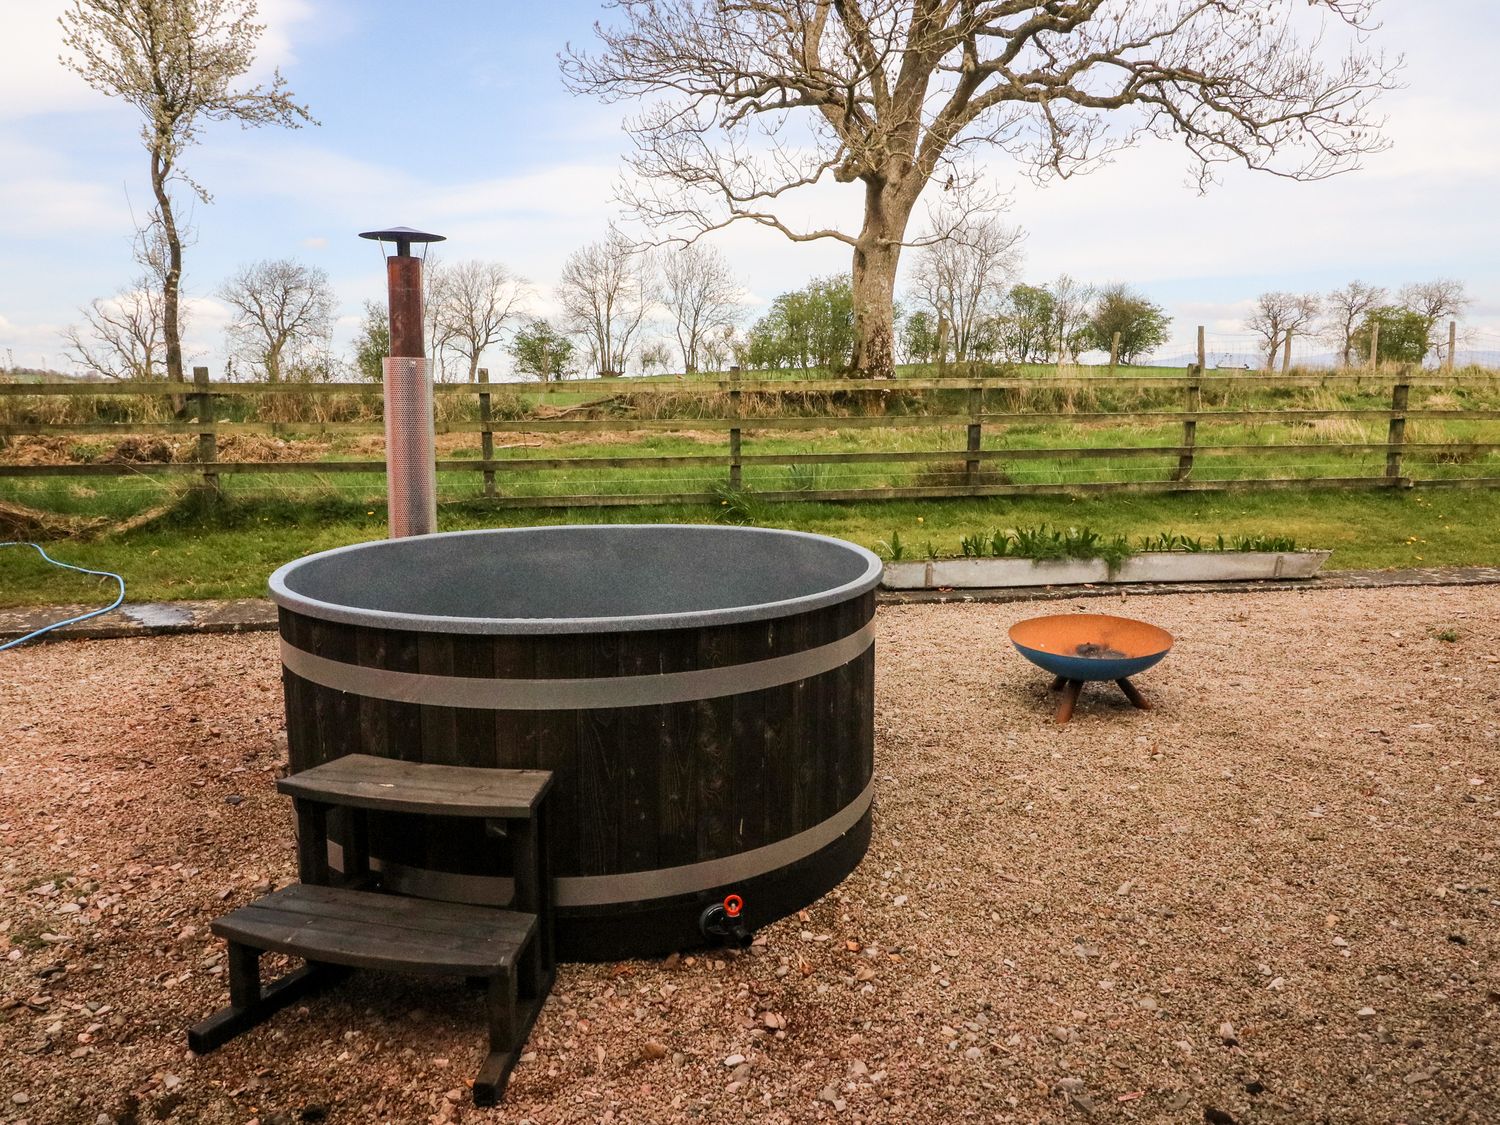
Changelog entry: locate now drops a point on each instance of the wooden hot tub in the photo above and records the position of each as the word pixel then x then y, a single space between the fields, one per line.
pixel 703 695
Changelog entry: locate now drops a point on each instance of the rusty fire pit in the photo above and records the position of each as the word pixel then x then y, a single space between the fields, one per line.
pixel 1078 647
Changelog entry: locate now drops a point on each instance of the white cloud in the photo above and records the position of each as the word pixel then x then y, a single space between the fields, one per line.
pixel 32 80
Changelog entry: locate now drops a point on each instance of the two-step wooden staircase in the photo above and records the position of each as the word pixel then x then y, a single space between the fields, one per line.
pixel 336 928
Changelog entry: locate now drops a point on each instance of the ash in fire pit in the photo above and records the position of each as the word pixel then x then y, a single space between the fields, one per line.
pixel 1098 652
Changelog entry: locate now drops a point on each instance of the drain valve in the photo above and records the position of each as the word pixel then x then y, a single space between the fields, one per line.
pixel 722 923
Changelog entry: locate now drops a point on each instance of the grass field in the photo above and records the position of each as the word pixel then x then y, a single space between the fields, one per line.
pixel 1049 434
pixel 230 549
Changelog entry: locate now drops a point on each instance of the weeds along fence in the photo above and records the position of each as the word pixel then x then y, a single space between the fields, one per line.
pixel 593 443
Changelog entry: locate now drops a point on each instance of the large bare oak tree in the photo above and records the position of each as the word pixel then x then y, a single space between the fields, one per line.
pixel 178 62
pixel 746 101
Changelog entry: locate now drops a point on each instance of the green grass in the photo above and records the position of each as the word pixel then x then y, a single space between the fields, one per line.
pixel 230 549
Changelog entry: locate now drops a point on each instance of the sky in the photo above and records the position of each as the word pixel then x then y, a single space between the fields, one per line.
pixel 450 116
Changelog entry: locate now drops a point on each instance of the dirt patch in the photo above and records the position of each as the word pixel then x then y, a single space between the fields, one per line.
pixel 1274 897
pixel 36 450
pixel 18 521
pixel 252 447
pixel 136 450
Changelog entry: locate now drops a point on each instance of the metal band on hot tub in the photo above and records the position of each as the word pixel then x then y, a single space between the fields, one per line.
pixel 498 694
pixel 633 886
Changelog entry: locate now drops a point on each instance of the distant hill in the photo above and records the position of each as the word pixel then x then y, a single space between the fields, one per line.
pixel 1231 361
pixel 1252 361
pixel 39 375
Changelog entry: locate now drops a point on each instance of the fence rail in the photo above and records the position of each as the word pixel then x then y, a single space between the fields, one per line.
pixel 197 408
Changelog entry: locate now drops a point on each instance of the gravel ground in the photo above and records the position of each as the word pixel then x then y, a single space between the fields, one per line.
pixel 1272 899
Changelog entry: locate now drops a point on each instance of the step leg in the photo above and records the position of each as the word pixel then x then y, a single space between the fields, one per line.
pixel 505 1036
pixel 312 841
pixel 251 1004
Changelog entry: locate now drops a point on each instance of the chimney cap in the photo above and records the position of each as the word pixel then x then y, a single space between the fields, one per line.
pixel 403 237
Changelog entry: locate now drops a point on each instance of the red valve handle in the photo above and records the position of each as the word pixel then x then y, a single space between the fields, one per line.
pixel 733 904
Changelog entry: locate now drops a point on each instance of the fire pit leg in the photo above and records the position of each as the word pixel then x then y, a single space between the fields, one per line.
pixel 1058 683
pixel 1070 691
pixel 1133 694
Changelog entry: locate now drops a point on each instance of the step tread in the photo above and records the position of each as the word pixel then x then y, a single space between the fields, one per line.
pixel 381 931
pixel 390 785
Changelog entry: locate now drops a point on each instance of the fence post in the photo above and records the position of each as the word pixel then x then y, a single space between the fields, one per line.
pixel 1375 346
pixel 486 438
pixel 942 344
pixel 1202 352
pixel 976 433
pixel 1192 402
pixel 735 474
pixel 1396 436
pixel 1114 352
pixel 208 439
pixel 1452 345
pixel 1286 353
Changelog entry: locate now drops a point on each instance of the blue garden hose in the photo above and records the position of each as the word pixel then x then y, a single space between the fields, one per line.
pixel 119 598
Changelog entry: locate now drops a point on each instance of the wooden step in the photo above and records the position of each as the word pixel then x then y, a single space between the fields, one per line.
pixel 389 785
pixel 377 931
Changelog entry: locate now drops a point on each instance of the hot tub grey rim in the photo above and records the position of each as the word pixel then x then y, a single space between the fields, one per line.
pixel 289 599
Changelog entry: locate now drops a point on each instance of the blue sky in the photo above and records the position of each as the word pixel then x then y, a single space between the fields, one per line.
pixel 450 116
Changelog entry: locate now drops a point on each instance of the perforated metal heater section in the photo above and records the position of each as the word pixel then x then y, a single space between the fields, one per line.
pixel 411 470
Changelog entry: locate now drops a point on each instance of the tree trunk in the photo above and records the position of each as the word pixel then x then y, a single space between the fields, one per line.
pixel 172 280
pixel 876 256
pixel 874 293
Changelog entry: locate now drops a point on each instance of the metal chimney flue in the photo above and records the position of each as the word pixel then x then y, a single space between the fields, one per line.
pixel 410 452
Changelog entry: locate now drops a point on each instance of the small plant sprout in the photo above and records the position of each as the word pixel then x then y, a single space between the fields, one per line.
pixel 1043 542
pixel 892 548
pixel 736 505
pixel 1448 635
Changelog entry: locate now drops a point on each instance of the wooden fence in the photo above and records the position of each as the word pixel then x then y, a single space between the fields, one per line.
pixel 197 412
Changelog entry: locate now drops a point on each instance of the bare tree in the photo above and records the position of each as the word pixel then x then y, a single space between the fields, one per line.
pixel 177 62
pixel 1278 317
pixel 655 357
pixel 469 304
pixel 744 103
pixel 1435 302
pixel 121 337
pixel 606 290
pixel 436 330
pixel 702 296
pixel 718 348
pixel 1072 306
pixel 963 278
pixel 1346 310
pixel 283 315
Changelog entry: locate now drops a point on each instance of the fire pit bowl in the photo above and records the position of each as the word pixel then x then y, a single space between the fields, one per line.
pixel 1078 647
